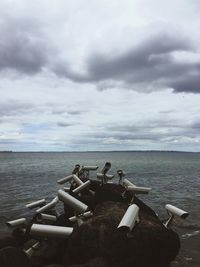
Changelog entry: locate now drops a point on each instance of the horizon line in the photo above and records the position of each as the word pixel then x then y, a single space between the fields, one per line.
pixel 99 151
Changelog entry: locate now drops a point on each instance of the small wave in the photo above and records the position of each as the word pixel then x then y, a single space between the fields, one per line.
pixel 187 235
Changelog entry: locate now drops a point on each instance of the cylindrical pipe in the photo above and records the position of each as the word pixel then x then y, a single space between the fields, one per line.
pixel 126 183
pixel 107 176
pixel 106 168
pixel 50 205
pixel 81 187
pixel 89 168
pixel 65 179
pixel 71 201
pixel 77 180
pixel 130 217
pixel 37 203
pixel 29 252
pixel 47 217
pixel 50 231
pixel 176 211
pixel 86 214
pixel 17 223
pixel 138 190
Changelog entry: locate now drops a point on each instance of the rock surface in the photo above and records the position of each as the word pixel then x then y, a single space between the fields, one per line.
pixel 150 243
pixel 98 242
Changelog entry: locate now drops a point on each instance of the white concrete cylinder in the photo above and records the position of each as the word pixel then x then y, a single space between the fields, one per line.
pixel 138 190
pixel 84 215
pixel 17 223
pixel 130 217
pixel 50 231
pixel 48 206
pixel 71 201
pixel 107 176
pixel 81 187
pixel 37 203
pixel 89 168
pixel 47 217
pixel 126 183
pixel 77 180
pixel 29 252
pixel 65 179
pixel 176 211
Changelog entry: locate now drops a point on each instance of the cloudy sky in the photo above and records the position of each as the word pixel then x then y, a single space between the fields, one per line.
pixel 99 75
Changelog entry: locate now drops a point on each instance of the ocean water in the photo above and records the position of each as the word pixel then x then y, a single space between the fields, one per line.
pixel 173 176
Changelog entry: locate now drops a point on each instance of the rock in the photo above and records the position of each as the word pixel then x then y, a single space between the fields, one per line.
pixel 149 244
pixel 13 257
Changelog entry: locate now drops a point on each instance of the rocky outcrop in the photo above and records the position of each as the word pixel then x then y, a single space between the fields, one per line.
pixel 150 243
pixel 99 243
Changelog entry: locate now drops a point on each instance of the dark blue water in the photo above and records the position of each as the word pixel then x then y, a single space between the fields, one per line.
pixel 173 176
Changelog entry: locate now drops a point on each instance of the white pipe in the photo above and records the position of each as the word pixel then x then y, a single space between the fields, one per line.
pixel 89 168
pixel 66 189
pixel 82 216
pixel 138 190
pixel 65 179
pixel 17 223
pixel 107 176
pixel 37 203
pixel 77 180
pixel 29 252
pixel 126 183
pixel 71 201
pixel 176 211
pixel 50 231
pixel 47 217
pixel 48 206
pixel 81 187
pixel 130 217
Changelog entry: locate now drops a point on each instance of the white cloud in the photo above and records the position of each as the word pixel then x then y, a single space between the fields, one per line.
pixel 57 58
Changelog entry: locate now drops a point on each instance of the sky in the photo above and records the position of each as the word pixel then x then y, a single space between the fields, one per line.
pixel 99 75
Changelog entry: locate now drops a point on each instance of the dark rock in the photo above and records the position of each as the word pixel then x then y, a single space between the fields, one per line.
pixel 149 244
pixel 13 257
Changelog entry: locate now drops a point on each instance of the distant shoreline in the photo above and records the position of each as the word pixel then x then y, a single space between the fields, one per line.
pixel 105 151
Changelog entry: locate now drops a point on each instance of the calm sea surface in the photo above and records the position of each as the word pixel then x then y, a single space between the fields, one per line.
pixel 173 176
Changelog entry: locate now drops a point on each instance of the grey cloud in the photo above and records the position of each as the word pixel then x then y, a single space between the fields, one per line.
pixel 64 124
pixel 151 53
pixel 150 64
pixel 12 108
pixel 157 130
pixel 22 47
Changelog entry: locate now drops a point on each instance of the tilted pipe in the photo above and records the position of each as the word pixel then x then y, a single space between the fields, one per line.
pixel 50 231
pixel 81 187
pixel 17 223
pixel 130 217
pixel 48 206
pixel 37 203
pixel 71 201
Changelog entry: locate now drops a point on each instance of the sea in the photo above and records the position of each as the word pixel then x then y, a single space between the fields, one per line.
pixel 173 176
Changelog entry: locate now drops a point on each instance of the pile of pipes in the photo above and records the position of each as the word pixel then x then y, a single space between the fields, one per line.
pixel 53 237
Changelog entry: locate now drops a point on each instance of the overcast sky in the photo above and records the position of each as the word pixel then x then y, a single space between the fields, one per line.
pixel 99 75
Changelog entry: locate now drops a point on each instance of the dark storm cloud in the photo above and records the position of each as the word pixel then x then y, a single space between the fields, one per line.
pixel 149 64
pixel 22 48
